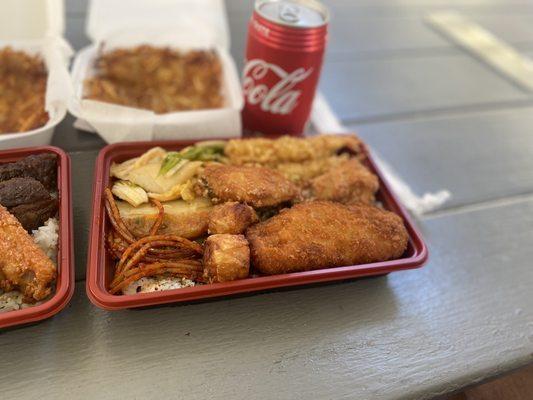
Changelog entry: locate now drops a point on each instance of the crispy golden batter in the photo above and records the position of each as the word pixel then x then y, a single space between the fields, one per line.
pixel 158 79
pixel 232 218
pixel 22 91
pixel 226 258
pixel 288 149
pixel 323 234
pixel 350 182
pixel 255 186
pixel 23 265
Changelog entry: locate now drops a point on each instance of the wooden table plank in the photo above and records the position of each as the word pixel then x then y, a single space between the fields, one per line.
pixel 409 8
pixel 478 157
pixel 370 90
pixel 411 334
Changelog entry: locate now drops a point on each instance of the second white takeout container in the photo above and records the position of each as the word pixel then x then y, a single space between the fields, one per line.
pixel 36 27
pixel 179 24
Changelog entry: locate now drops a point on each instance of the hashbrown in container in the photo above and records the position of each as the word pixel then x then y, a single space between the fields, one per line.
pixel 65 257
pixel 100 266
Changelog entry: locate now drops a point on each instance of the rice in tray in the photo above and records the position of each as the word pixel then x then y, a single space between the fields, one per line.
pixel 46 237
pixel 157 284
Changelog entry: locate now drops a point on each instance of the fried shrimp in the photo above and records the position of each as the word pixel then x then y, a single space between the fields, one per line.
pixel 289 149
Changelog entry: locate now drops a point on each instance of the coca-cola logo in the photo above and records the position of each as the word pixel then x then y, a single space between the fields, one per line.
pixel 281 98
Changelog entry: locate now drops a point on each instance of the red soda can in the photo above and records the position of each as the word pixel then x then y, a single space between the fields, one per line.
pixel 284 54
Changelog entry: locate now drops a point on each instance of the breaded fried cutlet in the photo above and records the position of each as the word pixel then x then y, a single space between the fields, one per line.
pixel 23 265
pixel 255 186
pixel 323 234
pixel 348 183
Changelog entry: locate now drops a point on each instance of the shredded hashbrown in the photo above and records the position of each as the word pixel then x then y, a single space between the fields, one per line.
pixel 22 91
pixel 158 79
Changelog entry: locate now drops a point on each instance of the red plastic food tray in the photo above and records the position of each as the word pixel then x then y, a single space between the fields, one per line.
pixel 65 279
pixel 100 268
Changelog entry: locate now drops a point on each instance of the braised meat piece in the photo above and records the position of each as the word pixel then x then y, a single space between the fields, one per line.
pixel 16 191
pixel 28 200
pixel 33 215
pixel 41 167
pixel 232 218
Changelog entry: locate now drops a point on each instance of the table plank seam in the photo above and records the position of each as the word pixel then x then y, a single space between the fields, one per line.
pixel 441 112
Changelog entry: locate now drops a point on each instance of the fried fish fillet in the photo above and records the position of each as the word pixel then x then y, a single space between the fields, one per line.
pixel 255 186
pixel 349 183
pixel 23 265
pixel 323 234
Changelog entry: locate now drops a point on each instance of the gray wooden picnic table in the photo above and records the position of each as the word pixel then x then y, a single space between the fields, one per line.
pixel 442 119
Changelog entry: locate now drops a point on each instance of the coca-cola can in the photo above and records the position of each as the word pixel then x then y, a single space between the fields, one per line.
pixel 284 54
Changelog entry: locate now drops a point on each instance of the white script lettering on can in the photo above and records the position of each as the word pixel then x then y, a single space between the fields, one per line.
pixel 280 98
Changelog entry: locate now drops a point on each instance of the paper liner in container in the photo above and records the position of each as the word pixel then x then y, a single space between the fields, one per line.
pixel 181 24
pixel 35 27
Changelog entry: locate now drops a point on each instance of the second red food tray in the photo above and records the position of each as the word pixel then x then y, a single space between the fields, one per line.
pixel 100 267
pixel 65 260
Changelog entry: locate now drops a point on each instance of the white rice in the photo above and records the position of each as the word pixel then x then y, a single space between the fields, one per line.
pixel 156 284
pixel 46 238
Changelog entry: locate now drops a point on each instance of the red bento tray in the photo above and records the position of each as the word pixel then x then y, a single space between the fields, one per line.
pixel 99 267
pixel 65 279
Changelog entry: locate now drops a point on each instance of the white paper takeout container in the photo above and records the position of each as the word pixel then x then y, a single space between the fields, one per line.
pixel 36 27
pixel 179 24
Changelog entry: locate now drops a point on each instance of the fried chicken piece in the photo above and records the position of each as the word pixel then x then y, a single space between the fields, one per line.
pixel 256 186
pixel 349 183
pixel 232 218
pixel 33 215
pixel 22 91
pixel 290 149
pixel 323 234
pixel 23 265
pixel 226 258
